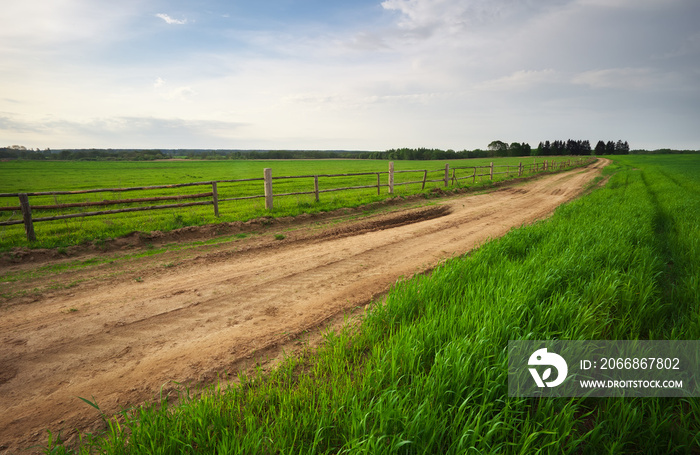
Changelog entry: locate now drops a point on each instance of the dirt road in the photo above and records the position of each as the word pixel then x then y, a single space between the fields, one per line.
pixel 120 331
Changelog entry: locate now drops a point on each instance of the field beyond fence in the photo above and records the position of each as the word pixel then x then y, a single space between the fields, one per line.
pixel 60 206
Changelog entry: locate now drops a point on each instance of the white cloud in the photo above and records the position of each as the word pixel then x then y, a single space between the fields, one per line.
pixel 32 26
pixel 628 4
pixel 520 80
pixel 120 131
pixel 366 41
pixel 454 16
pixel 180 93
pixel 171 20
pixel 626 79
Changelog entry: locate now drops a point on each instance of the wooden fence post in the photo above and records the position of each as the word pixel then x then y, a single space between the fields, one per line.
pixel 391 177
pixel 447 174
pixel 520 169
pixel 267 172
pixel 379 183
pixel 27 214
pixel 454 176
pixel 316 187
pixel 474 178
pixel 215 198
pixel 492 171
pixel 425 177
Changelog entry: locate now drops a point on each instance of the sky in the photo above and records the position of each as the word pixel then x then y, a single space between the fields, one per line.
pixel 348 74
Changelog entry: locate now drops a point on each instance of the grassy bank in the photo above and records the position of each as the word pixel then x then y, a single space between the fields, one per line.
pixel 37 176
pixel 426 372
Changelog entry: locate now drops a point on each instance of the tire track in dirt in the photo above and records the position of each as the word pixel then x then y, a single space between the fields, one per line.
pixel 119 339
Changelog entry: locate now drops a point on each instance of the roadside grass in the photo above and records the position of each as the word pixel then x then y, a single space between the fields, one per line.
pixel 37 176
pixel 51 270
pixel 426 370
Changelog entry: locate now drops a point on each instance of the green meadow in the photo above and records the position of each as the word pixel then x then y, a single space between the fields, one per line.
pixel 426 370
pixel 37 176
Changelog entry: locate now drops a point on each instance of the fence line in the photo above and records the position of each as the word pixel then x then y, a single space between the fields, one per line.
pixel 267 179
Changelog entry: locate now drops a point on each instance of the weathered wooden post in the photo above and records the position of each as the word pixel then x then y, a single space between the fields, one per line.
pixel 268 188
pixel 454 176
pixel 27 215
pixel 520 169
pixel 379 183
pixel 316 187
pixel 391 177
pixel 491 171
pixel 474 177
pixel 447 174
pixel 215 198
pixel 425 177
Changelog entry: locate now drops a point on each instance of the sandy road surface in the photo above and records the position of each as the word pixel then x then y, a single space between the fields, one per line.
pixel 129 328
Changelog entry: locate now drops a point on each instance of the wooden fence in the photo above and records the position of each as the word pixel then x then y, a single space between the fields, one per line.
pixel 212 197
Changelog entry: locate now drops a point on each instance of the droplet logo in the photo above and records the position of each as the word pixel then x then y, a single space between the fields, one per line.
pixel 543 358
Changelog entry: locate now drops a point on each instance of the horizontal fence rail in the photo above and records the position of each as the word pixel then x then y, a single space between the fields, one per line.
pixel 212 198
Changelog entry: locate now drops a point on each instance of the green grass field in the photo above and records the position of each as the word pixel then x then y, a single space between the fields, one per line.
pixel 37 176
pixel 426 371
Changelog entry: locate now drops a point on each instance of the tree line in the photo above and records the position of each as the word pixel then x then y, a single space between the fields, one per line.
pixel 579 147
pixel 495 149
pixel 498 149
pixel 82 154
pixel 271 154
pixel 22 153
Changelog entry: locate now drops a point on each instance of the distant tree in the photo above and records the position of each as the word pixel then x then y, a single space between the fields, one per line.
pixel 499 148
pixel 610 148
pixel 547 150
pixel 622 148
pixel 557 148
pixel 538 151
pixel 585 147
pixel 515 149
pixel 600 148
pixel 7 152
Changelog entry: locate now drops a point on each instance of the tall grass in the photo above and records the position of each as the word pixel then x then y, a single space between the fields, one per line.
pixel 426 371
pixel 36 176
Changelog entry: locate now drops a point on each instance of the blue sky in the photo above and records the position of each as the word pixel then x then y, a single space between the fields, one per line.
pixel 355 75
